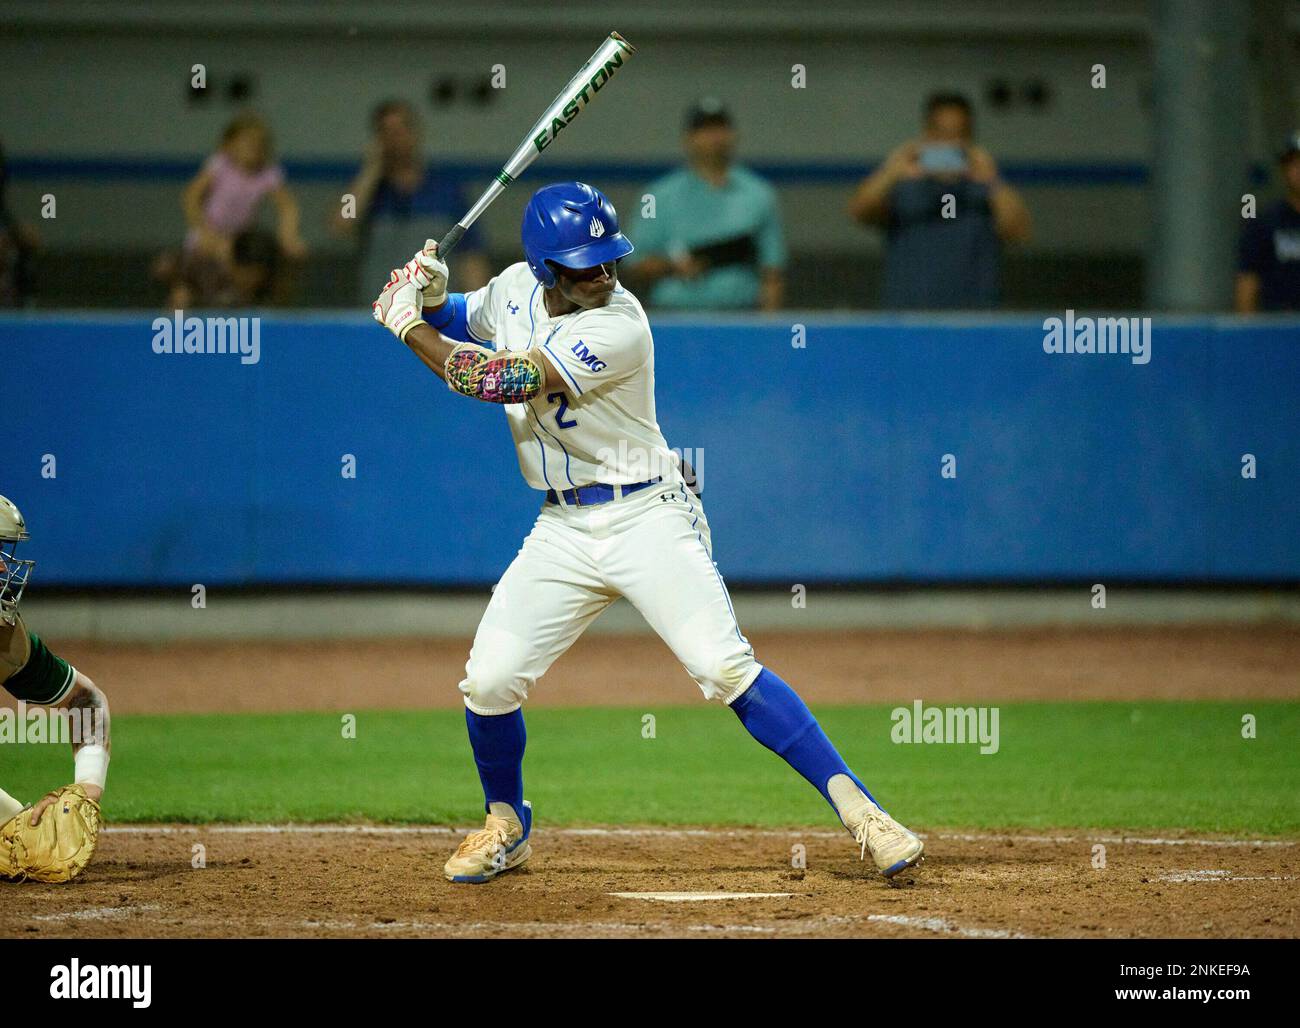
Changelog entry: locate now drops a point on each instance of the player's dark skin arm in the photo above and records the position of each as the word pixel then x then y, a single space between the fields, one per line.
pixel 575 290
pixel 427 343
pixel 433 349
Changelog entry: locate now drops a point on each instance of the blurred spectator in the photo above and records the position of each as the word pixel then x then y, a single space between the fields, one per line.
pixel 401 200
pixel 222 203
pixel 1268 259
pixel 933 261
pixel 254 269
pixel 715 239
pixel 250 278
pixel 18 241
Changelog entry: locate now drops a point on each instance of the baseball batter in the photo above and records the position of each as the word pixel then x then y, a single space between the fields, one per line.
pixel 53 841
pixel 569 354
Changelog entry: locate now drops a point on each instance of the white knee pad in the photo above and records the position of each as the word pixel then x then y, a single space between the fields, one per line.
pixel 494 692
pixel 494 682
pixel 726 679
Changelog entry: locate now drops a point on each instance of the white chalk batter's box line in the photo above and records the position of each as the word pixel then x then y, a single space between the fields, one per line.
pixel 939 925
pixel 1219 876
pixel 678 833
pixel 805 926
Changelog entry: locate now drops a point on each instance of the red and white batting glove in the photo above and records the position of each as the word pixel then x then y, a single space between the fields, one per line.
pixel 430 274
pixel 398 306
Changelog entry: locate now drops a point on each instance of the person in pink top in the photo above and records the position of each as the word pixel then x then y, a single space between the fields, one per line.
pixel 222 203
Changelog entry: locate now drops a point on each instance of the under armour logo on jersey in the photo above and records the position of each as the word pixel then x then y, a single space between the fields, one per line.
pixel 512 306
pixel 597 229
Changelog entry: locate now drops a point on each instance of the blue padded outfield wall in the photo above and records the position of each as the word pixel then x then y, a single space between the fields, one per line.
pixel 821 463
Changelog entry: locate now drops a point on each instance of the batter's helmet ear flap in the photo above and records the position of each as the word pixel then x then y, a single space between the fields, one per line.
pixel 573 225
pixel 542 272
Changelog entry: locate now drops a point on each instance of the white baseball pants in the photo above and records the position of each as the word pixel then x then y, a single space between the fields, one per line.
pixel 652 547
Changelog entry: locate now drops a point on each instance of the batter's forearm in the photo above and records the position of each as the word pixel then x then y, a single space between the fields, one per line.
pixel 429 345
pixel 481 374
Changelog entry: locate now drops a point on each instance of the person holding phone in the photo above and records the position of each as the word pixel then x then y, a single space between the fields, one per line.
pixel 398 195
pixel 946 213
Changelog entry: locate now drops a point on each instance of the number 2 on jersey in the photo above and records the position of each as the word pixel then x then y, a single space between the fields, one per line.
pixel 564 408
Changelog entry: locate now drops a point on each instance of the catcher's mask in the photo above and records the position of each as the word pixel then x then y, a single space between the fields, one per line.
pixel 13 571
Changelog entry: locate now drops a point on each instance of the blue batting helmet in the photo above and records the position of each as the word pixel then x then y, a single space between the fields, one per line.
pixel 573 225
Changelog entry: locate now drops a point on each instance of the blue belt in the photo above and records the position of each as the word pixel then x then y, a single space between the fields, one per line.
pixel 597 493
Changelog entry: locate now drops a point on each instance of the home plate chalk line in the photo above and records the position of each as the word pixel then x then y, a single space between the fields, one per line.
pixel 675 833
pixel 98 913
pixel 698 897
pixel 945 927
pixel 1220 876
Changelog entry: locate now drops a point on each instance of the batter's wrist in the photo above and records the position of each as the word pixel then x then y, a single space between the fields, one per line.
pixel 406 329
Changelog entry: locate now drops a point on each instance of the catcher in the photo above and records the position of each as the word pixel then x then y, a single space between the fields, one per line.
pixel 54 840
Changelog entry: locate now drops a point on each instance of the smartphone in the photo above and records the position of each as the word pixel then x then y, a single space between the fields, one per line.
pixel 942 159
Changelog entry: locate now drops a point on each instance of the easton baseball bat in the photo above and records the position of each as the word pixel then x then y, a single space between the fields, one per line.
pixel 571 101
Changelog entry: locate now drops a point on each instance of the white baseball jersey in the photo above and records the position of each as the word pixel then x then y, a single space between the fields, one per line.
pixel 603 429
pixel 652 546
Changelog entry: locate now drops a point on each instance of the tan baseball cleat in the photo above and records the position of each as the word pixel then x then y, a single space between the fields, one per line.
pixel 500 845
pixel 892 846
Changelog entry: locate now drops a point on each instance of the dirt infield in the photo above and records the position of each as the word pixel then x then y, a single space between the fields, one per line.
pixel 303 881
pixel 827 667
pixel 387 882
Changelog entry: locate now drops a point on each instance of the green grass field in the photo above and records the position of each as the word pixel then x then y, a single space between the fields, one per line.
pixel 1088 765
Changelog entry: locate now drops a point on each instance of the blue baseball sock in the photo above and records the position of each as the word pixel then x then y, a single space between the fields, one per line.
pixel 774 714
pixel 498 745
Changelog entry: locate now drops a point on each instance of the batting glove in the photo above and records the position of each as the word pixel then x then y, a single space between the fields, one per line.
pixel 398 306
pixel 430 274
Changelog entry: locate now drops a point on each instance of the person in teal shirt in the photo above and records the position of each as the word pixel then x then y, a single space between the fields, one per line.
pixel 712 240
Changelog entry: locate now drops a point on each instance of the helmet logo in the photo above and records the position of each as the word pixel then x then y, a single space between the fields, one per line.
pixel 597 228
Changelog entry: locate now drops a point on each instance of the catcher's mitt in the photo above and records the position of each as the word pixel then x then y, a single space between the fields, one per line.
pixel 60 845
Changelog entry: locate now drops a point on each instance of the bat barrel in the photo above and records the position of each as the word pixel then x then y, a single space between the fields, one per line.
pixel 571 101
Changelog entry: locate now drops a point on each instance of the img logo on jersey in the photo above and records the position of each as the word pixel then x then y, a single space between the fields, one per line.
pixel 588 358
